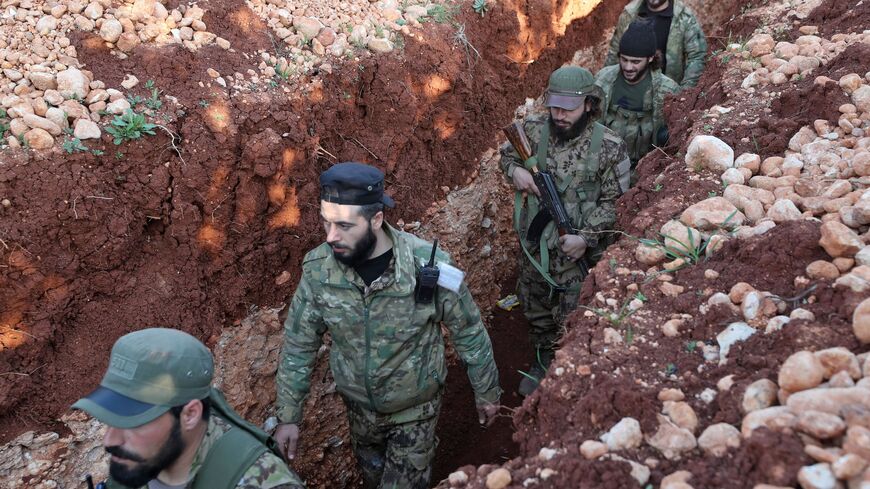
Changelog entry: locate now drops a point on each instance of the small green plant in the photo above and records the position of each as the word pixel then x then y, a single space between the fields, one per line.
pixel 692 251
pixel 712 194
pixel 73 145
pixel 691 346
pixel 640 296
pixel 154 101
pixel 612 263
pixel 119 155
pixel 480 6
pixel 149 84
pixel 441 14
pixel 23 142
pixel 134 100
pixel 97 152
pixel 616 318
pixel 670 369
pixel 129 126
pixel 658 187
pixel 708 127
pixel 379 31
pixel 203 103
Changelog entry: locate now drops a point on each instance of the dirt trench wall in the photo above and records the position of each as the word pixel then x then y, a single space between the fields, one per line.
pixel 97 246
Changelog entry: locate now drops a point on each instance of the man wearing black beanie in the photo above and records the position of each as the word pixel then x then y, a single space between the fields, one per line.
pixel 681 47
pixel 634 92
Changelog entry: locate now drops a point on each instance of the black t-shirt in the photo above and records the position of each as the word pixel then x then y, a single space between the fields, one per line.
pixel 630 97
pixel 373 268
pixel 662 26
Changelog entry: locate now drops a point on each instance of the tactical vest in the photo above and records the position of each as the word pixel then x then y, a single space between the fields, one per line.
pixel 232 455
pixel 588 191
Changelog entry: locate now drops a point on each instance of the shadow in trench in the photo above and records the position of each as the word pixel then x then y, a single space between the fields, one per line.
pixel 461 439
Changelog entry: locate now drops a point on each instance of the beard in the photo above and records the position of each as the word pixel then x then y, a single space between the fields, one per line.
pixel 567 134
pixel 147 469
pixel 360 252
pixel 636 76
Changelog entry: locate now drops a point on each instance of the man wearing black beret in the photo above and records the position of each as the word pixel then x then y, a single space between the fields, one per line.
pixel 634 92
pixel 382 294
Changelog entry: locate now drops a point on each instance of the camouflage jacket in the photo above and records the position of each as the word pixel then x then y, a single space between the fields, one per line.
pixel 592 216
pixel 387 350
pixel 687 46
pixel 268 472
pixel 637 129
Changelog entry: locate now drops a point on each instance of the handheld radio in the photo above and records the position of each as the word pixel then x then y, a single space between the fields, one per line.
pixel 427 279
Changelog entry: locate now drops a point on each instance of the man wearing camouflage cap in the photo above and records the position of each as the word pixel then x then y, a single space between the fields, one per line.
pixel 634 92
pixel 371 287
pixel 168 428
pixel 590 166
pixel 680 43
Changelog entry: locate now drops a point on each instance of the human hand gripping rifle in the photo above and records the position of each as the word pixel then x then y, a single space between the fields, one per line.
pixel 551 205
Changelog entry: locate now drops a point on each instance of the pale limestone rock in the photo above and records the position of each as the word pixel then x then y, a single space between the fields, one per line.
pixel 682 415
pixel 861 321
pixel 735 332
pixel 87 129
pixel 801 371
pixel 718 438
pixel 671 394
pixel 672 440
pixel 858 279
pixel 858 441
pixel 739 292
pixel 861 98
pixel 848 466
pixel 38 139
pixel 380 45
pixel 820 425
pixel 822 270
pixel 111 30
pixel 774 418
pixel 818 476
pixel 711 214
pixel 649 255
pixel 839 359
pixel 127 42
pixel 118 107
pixel 591 449
pixel 760 394
pixel 750 161
pixel 709 152
pixel 58 116
pixel 732 176
pixel 776 323
pixel 72 83
pixel 625 434
pixel 34 121
pixel 829 400
pixel 678 236
pixel 838 240
pixel 498 479
pixel 458 478
pixel 783 210
pixel 306 26
pixel 43 81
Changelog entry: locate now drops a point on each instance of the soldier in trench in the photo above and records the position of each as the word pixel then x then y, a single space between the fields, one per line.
pixel 168 428
pixel 590 166
pixel 634 93
pixel 370 287
pixel 681 47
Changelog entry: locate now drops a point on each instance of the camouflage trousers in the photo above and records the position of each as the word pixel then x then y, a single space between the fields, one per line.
pixel 544 308
pixel 395 451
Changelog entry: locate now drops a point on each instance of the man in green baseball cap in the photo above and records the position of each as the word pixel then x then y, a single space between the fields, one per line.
pixel 167 427
pixel 590 166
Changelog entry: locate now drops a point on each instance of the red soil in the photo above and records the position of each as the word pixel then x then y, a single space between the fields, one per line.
pixel 102 245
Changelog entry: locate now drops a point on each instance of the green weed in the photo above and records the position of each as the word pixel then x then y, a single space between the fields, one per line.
pixel 73 145
pixel 480 6
pixel 129 126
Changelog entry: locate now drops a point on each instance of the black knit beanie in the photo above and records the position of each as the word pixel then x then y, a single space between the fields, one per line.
pixel 639 40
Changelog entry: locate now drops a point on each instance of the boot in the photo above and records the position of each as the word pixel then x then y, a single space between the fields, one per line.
pixel 536 372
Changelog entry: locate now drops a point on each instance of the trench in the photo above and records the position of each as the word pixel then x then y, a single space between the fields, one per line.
pixel 242 209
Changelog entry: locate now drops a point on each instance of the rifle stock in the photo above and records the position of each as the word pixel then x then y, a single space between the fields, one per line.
pixel 517 137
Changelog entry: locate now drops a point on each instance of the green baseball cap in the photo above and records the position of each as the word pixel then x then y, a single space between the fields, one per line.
pixel 569 86
pixel 150 371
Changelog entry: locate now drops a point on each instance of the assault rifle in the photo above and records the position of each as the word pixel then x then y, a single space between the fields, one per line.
pixel 552 208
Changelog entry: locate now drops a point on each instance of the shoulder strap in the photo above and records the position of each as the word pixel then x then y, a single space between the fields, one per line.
pixel 592 162
pixel 543 144
pixel 228 460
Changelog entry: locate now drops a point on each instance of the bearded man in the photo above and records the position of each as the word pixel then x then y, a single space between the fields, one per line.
pixel 590 166
pixel 382 294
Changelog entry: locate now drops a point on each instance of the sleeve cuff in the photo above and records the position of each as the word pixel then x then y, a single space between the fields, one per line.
pixel 491 396
pixel 591 241
pixel 510 170
pixel 289 415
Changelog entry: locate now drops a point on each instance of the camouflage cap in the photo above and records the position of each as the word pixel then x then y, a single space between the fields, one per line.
pixel 569 86
pixel 150 371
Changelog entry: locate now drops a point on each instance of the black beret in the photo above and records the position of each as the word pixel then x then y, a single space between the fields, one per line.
pixel 353 183
pixel 639 40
